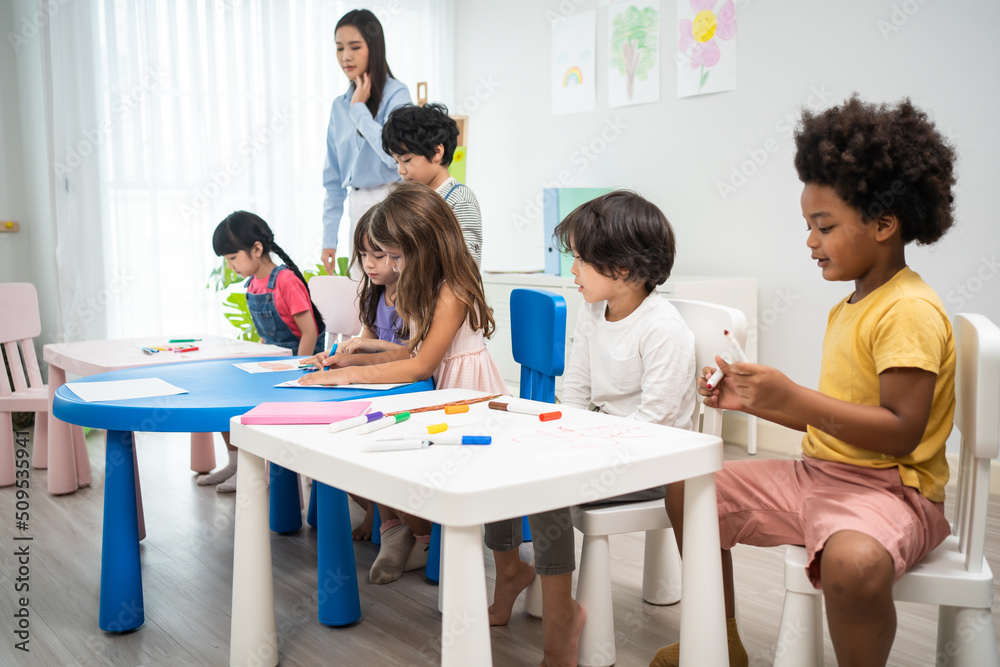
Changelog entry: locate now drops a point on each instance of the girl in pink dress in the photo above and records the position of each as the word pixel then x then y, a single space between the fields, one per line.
pixel 441 302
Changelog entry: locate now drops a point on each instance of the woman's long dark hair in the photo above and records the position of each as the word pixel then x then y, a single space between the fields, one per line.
pixel 378 69
pixel 240 231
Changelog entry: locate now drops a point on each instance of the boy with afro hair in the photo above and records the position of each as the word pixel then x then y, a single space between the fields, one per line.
pixel 866 498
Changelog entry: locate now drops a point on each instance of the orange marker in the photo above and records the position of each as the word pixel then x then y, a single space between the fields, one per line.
pixel 455 409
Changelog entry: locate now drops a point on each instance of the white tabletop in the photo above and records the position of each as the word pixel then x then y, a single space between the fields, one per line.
pixel 531 466
pixel 99 356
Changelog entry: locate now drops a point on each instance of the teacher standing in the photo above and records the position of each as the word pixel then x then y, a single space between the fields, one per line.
pixel 357 169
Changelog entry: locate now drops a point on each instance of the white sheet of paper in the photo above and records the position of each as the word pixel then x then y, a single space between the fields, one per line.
pixel 269 366
pixel 119 390
pixel 373 387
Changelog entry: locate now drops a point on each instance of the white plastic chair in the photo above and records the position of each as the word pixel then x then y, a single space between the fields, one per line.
pixel 24 390
pixel 336 297
pixel 661 570
pixel 955 575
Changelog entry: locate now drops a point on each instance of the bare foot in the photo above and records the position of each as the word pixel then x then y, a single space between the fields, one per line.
pixel 364 529
pixel 562 635
pixel 507 587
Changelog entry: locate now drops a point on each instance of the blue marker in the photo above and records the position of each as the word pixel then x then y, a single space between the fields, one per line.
pixel 310 367
pixel 345 424
pixel 397 444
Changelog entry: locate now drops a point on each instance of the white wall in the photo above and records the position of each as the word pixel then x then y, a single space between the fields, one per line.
pixel 14 261
pixel 945 56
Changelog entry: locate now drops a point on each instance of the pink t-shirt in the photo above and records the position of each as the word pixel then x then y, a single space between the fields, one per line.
pixel 290 297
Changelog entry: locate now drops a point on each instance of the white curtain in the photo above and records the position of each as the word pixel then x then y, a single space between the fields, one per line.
pixel 209 106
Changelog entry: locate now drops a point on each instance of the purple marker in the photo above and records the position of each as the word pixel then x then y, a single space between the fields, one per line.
pixel 345 424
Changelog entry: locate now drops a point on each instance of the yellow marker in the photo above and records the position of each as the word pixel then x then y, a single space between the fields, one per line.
pixel 437 428
pixel 455 409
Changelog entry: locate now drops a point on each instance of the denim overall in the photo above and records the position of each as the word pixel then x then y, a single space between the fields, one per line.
pixel 270 327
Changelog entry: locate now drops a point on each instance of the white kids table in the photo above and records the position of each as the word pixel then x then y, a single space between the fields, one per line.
pixel 531 466
pixel 65 455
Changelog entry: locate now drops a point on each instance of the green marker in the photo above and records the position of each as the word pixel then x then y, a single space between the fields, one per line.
pixel 385 422
pixel 184 340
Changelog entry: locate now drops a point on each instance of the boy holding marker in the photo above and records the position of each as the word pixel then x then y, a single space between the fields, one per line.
pixel 866 498
pixel 633 356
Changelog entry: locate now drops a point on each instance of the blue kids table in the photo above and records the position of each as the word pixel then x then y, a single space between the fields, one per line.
pixel 216 392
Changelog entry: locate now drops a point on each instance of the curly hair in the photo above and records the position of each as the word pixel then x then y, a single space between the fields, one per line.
pixel 621 231
pixel 420 130
pixel 881 159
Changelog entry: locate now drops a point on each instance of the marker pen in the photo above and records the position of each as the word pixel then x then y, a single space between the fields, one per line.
pixel 187 349
pixel 400 444
pixel 737 354
pixel 345 424
pixel 384 422
pixel 394 445
pixel 525 408
pixel 734 347
pixel 184 340
pixel 455 409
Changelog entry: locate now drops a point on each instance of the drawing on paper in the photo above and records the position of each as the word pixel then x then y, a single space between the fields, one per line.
pixel 572 67
pixel 634 54
pixel 706 47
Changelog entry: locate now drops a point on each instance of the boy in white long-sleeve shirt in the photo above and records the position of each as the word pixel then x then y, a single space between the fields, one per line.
pixel 633 356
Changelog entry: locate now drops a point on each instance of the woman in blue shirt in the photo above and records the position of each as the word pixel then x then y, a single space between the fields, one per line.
pixel 354 155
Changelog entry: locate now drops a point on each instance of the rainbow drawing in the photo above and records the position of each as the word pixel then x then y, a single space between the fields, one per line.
pixel 573 74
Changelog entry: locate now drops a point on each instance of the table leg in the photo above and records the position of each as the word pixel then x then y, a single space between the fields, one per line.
pixel 703 616
pixel 59 459
pixel 337 574
pixel 286 503
pixel 121 575
pixel 253 639
pixel 84 475
pixel 202 452
pixel 465 630
pixel 140 516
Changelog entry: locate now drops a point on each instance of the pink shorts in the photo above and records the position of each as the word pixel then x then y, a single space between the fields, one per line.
pixel 774 502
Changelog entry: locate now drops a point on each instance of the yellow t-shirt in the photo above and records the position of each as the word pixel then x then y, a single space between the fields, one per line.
pixel 902 324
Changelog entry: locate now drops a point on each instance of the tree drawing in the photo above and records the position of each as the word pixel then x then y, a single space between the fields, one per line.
pixel 634 35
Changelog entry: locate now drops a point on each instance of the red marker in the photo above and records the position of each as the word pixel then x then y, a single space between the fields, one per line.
pixel 737 356
pixel 187 349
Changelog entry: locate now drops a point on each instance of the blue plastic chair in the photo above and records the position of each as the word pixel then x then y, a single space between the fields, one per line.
pixel 538 341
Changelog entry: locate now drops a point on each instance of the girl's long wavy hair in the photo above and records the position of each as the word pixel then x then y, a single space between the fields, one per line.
pixel 369 294
pixel 378 68
pixel 417 220
pixel 240 231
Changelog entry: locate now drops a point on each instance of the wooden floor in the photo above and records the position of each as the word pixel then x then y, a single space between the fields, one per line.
pixel 187 582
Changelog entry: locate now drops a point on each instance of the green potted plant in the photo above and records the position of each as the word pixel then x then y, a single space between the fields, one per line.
pixel 235 308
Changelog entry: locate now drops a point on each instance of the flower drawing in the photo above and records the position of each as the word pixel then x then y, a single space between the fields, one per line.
pixel 698 36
